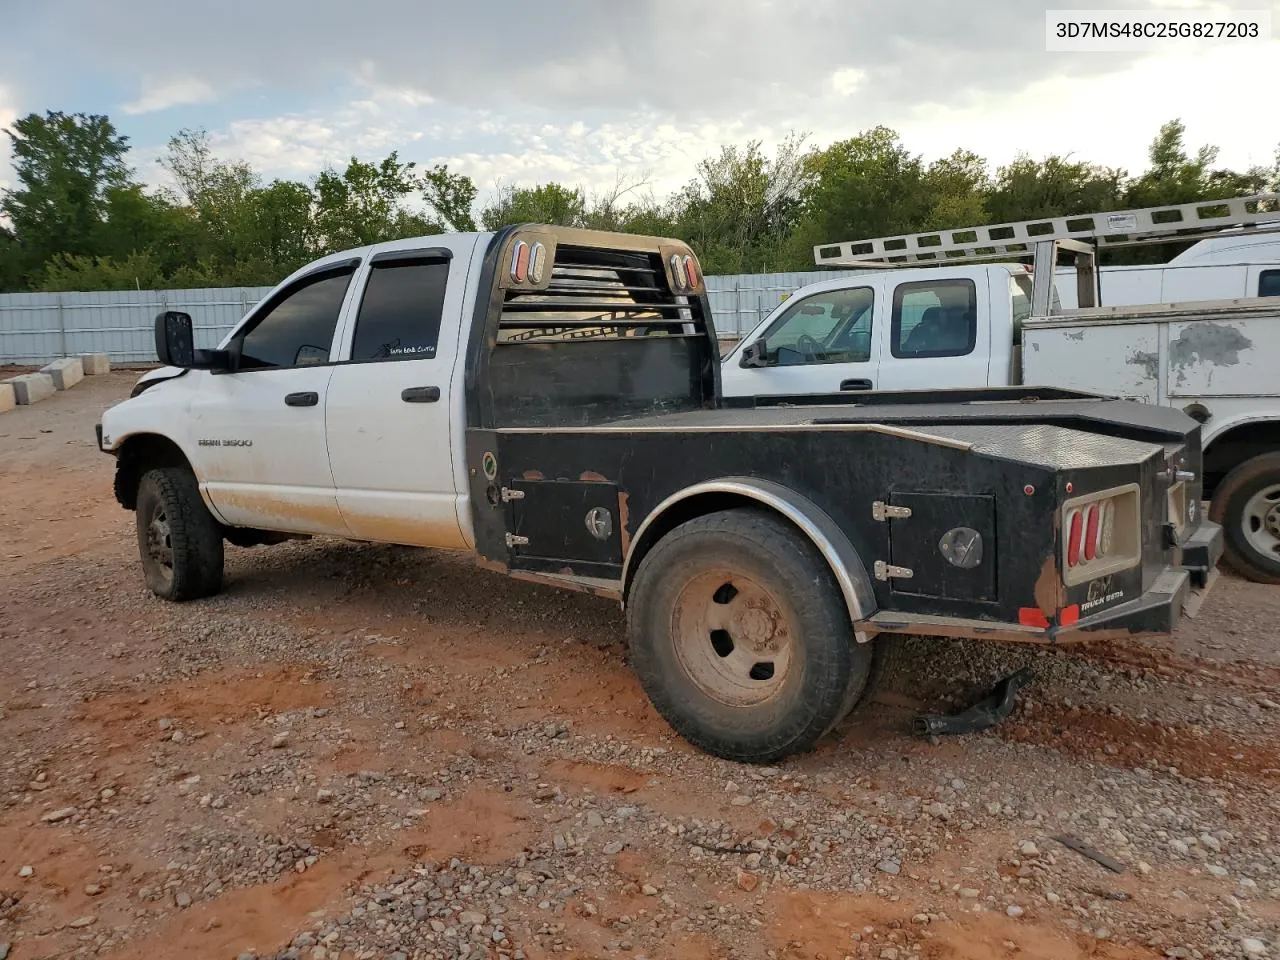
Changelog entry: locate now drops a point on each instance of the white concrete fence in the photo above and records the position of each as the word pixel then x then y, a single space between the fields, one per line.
pixel 38 327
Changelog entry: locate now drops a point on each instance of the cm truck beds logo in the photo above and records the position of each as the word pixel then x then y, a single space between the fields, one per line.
pixel 1100 593
pixel 225 443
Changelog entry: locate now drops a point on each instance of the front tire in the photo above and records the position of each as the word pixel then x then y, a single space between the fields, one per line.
pixel 741 639
pixel 179 541
pixel 1247 505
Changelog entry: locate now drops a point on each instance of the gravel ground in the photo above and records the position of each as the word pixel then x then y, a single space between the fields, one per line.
pixel 370 752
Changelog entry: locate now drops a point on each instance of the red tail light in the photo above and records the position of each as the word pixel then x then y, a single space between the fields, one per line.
pixel 1075 527
pixel 1101 534
pixel 1091 528
pixel 520 262
pixel 691 271
pixel 680 279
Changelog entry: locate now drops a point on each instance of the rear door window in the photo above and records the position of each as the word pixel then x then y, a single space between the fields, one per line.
pixel 1269 283
pixel 934 318
pixel 400 312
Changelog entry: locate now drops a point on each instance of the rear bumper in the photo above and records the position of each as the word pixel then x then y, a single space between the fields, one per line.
pixel 1159 609
pixel 1201 552
pixel 1176 592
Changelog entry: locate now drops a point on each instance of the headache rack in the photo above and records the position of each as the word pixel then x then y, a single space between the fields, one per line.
pixel 597 293
pixel 609 335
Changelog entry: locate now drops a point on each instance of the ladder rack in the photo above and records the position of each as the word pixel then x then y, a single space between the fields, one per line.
pixel 1118 228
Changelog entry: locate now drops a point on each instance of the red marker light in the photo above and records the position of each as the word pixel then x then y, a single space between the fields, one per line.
pixel 1033 617
pixel 1070 616
pixel 1075 527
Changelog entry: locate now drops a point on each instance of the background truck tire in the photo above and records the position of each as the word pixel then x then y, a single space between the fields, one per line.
pixel 741 638
pixel 1247 504
pixel 179 541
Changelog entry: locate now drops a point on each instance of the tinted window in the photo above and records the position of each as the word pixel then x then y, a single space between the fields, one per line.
pixel 400 313
pixel 934 318
pixel 1269 283
pixel 829 327
pixel 298 330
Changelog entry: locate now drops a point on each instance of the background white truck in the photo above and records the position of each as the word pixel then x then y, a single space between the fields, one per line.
pixel 971 324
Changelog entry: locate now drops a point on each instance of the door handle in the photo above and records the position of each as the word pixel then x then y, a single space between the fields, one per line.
pixel 420 394
pixel 855 384
pixel 308 399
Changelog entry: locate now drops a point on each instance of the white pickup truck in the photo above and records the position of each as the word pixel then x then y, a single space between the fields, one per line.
pixel 970 325
pixel 548 399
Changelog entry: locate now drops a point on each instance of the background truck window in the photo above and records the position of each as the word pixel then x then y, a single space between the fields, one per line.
pixel 1269 283
pixel 400 312
pixel 298 329
pixel 934 318
pixel 829 327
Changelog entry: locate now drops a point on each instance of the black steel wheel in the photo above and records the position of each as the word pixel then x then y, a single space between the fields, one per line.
pixel 179 541
pixel 740 637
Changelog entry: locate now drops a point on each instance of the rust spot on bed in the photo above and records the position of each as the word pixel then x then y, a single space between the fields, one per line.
pixel 497 566
pixel 1050 592
pixel 624 521
pixel 593 477
pixel 533 475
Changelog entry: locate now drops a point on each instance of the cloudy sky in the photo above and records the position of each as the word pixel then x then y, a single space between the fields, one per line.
pixel 582 91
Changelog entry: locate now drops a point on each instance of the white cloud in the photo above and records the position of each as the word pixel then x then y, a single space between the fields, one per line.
pixel 163 93
pixel 847 80
pixel 1111 119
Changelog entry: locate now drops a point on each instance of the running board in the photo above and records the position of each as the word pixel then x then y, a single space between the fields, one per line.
pixel 596 586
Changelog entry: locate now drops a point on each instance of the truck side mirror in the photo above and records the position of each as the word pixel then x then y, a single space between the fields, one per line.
pixel 175 346
pixel 755 355
pixel 175 339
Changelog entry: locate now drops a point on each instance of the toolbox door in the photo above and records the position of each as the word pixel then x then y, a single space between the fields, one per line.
pixel 559 524
pixel 948 543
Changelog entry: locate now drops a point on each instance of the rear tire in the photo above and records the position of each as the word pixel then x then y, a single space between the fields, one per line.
pixel 741 639
pixel 179 541
pixel 1247 504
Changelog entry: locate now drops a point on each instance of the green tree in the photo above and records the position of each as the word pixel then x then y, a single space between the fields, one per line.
pixel 957 188
pixel 365 204
pixel 550 203
pixel 739 210
pixel 66 164
pixel 451 196
pixel 869 185
pixel 1174 176
pixel 132 271
pixel 1053 187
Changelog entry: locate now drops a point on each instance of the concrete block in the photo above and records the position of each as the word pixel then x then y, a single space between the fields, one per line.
pixel 7 401
pixel 31 387
pixel 95 363
pixel 66 372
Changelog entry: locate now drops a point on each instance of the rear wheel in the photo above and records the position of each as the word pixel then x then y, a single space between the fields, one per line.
pixel 1247 504
pixel 741 639
pixel 179 541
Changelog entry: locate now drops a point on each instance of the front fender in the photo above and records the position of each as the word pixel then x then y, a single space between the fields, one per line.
pixel 823 532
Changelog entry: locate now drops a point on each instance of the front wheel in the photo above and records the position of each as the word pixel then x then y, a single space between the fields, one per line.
pixel 179 541
pixel 1247 505
pixel 741 639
